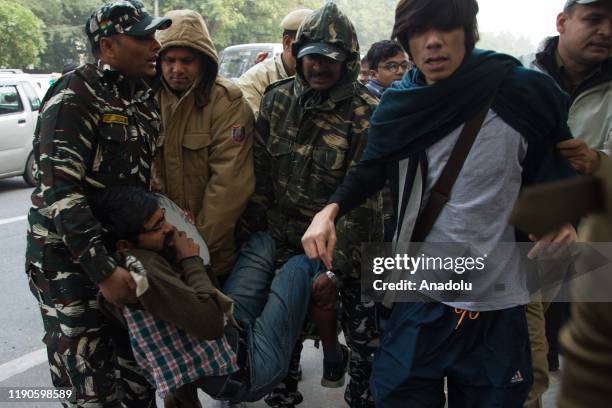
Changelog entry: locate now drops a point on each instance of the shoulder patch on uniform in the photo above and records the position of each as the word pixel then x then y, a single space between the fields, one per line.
pixel 233 91
pixel 278 83
pixel 238 133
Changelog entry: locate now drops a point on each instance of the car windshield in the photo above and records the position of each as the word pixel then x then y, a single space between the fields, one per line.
pixel 236 62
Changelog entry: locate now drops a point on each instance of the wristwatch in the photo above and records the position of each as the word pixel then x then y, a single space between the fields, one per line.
pixel 332 276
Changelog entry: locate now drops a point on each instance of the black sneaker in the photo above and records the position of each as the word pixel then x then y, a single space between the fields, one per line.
pixel 281 397
pixel 333 372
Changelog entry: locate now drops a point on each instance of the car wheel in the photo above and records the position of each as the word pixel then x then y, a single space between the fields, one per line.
pixel 28 175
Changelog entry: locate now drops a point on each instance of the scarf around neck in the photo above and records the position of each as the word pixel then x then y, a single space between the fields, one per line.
pixel 412 116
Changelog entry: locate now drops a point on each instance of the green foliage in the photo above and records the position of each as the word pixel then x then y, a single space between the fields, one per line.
pixel 64 33
pixel 229 22
pixel 247 21
pixel 373 20
pixel 21 39
pixel 241 21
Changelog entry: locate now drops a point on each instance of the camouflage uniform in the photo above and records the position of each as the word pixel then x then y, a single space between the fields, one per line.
pixel 90 135
pixel 306 141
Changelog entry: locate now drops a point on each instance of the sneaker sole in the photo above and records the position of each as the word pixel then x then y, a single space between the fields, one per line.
pixel 332 384
pixel 340 382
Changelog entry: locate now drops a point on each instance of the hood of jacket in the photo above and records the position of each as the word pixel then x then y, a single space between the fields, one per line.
pixel 188 29
pixel 328 24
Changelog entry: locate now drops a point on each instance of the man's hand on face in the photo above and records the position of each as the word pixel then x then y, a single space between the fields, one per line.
pixel 184 246
pixel 580 156
pixel 119 288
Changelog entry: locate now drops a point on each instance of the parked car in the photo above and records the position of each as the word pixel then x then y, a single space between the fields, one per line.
pixel 19 104
pixel 40 82
pixel 237 59
pixel 44 82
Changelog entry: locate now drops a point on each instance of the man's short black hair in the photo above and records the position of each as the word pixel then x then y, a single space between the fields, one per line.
pixel 380 51
pixel 414 16
pixel 123 212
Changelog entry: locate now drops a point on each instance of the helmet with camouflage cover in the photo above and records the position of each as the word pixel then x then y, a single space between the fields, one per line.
pixel 328 25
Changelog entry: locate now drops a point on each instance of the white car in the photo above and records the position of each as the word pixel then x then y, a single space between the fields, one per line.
pixel 237 59
pixel 19 104
pixel 40 82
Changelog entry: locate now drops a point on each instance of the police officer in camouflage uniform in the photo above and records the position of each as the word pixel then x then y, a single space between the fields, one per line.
pixel 311 130
pixel 97 128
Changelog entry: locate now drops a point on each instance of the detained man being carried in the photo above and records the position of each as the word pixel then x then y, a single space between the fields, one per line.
pixel 185 333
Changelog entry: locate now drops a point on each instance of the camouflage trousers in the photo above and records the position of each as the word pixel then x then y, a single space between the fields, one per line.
pixel 86 352
pixel 358 324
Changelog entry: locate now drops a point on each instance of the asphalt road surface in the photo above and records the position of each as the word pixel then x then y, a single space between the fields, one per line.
pixel 22 356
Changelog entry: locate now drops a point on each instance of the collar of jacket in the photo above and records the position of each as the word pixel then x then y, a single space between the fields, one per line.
pixel 376 87
pixel 281 67
pixel 322 100
pixel 201 91
pixel 104 73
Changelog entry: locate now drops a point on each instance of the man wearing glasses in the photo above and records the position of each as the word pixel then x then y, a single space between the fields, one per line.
pixel 388 63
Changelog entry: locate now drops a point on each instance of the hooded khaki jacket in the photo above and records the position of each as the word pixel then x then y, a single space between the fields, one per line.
pixel 254 82
pixel 204 159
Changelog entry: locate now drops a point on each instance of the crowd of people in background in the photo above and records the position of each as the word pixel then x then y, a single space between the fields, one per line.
pixel 284 174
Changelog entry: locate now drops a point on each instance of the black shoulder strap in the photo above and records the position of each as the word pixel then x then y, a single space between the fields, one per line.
pixel 440 193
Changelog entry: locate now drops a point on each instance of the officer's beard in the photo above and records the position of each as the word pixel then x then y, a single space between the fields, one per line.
pixel 169 251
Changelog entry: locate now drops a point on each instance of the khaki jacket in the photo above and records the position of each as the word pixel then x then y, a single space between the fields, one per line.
pixel 184 294
pixel 254 82
pixel 204 159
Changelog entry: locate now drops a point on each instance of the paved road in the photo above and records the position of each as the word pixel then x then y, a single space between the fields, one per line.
pixel 22 358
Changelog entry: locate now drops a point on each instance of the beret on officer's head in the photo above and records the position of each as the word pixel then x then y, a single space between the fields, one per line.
pixel 123 17
pixel 292 21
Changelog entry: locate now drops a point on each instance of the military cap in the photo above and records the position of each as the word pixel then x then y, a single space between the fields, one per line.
pixel 325 49
pixel 292 21
pixel 123 17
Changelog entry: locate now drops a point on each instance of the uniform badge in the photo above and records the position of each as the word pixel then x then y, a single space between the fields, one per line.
pixel 113 118
pixel 238 133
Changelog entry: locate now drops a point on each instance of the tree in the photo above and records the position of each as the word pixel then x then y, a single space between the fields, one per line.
pixel 21 39
pixel 241 21
pixel 65 30
pixel 373 20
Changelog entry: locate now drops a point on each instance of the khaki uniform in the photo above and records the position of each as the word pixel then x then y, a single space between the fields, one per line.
pixel 204 160
pixel 254 82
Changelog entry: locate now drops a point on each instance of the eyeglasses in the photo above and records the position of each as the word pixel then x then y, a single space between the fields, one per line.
pixel 394 66
pixel 158 225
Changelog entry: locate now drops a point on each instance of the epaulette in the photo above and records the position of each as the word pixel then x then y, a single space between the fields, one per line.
pixel 233 91
pixel 278 83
